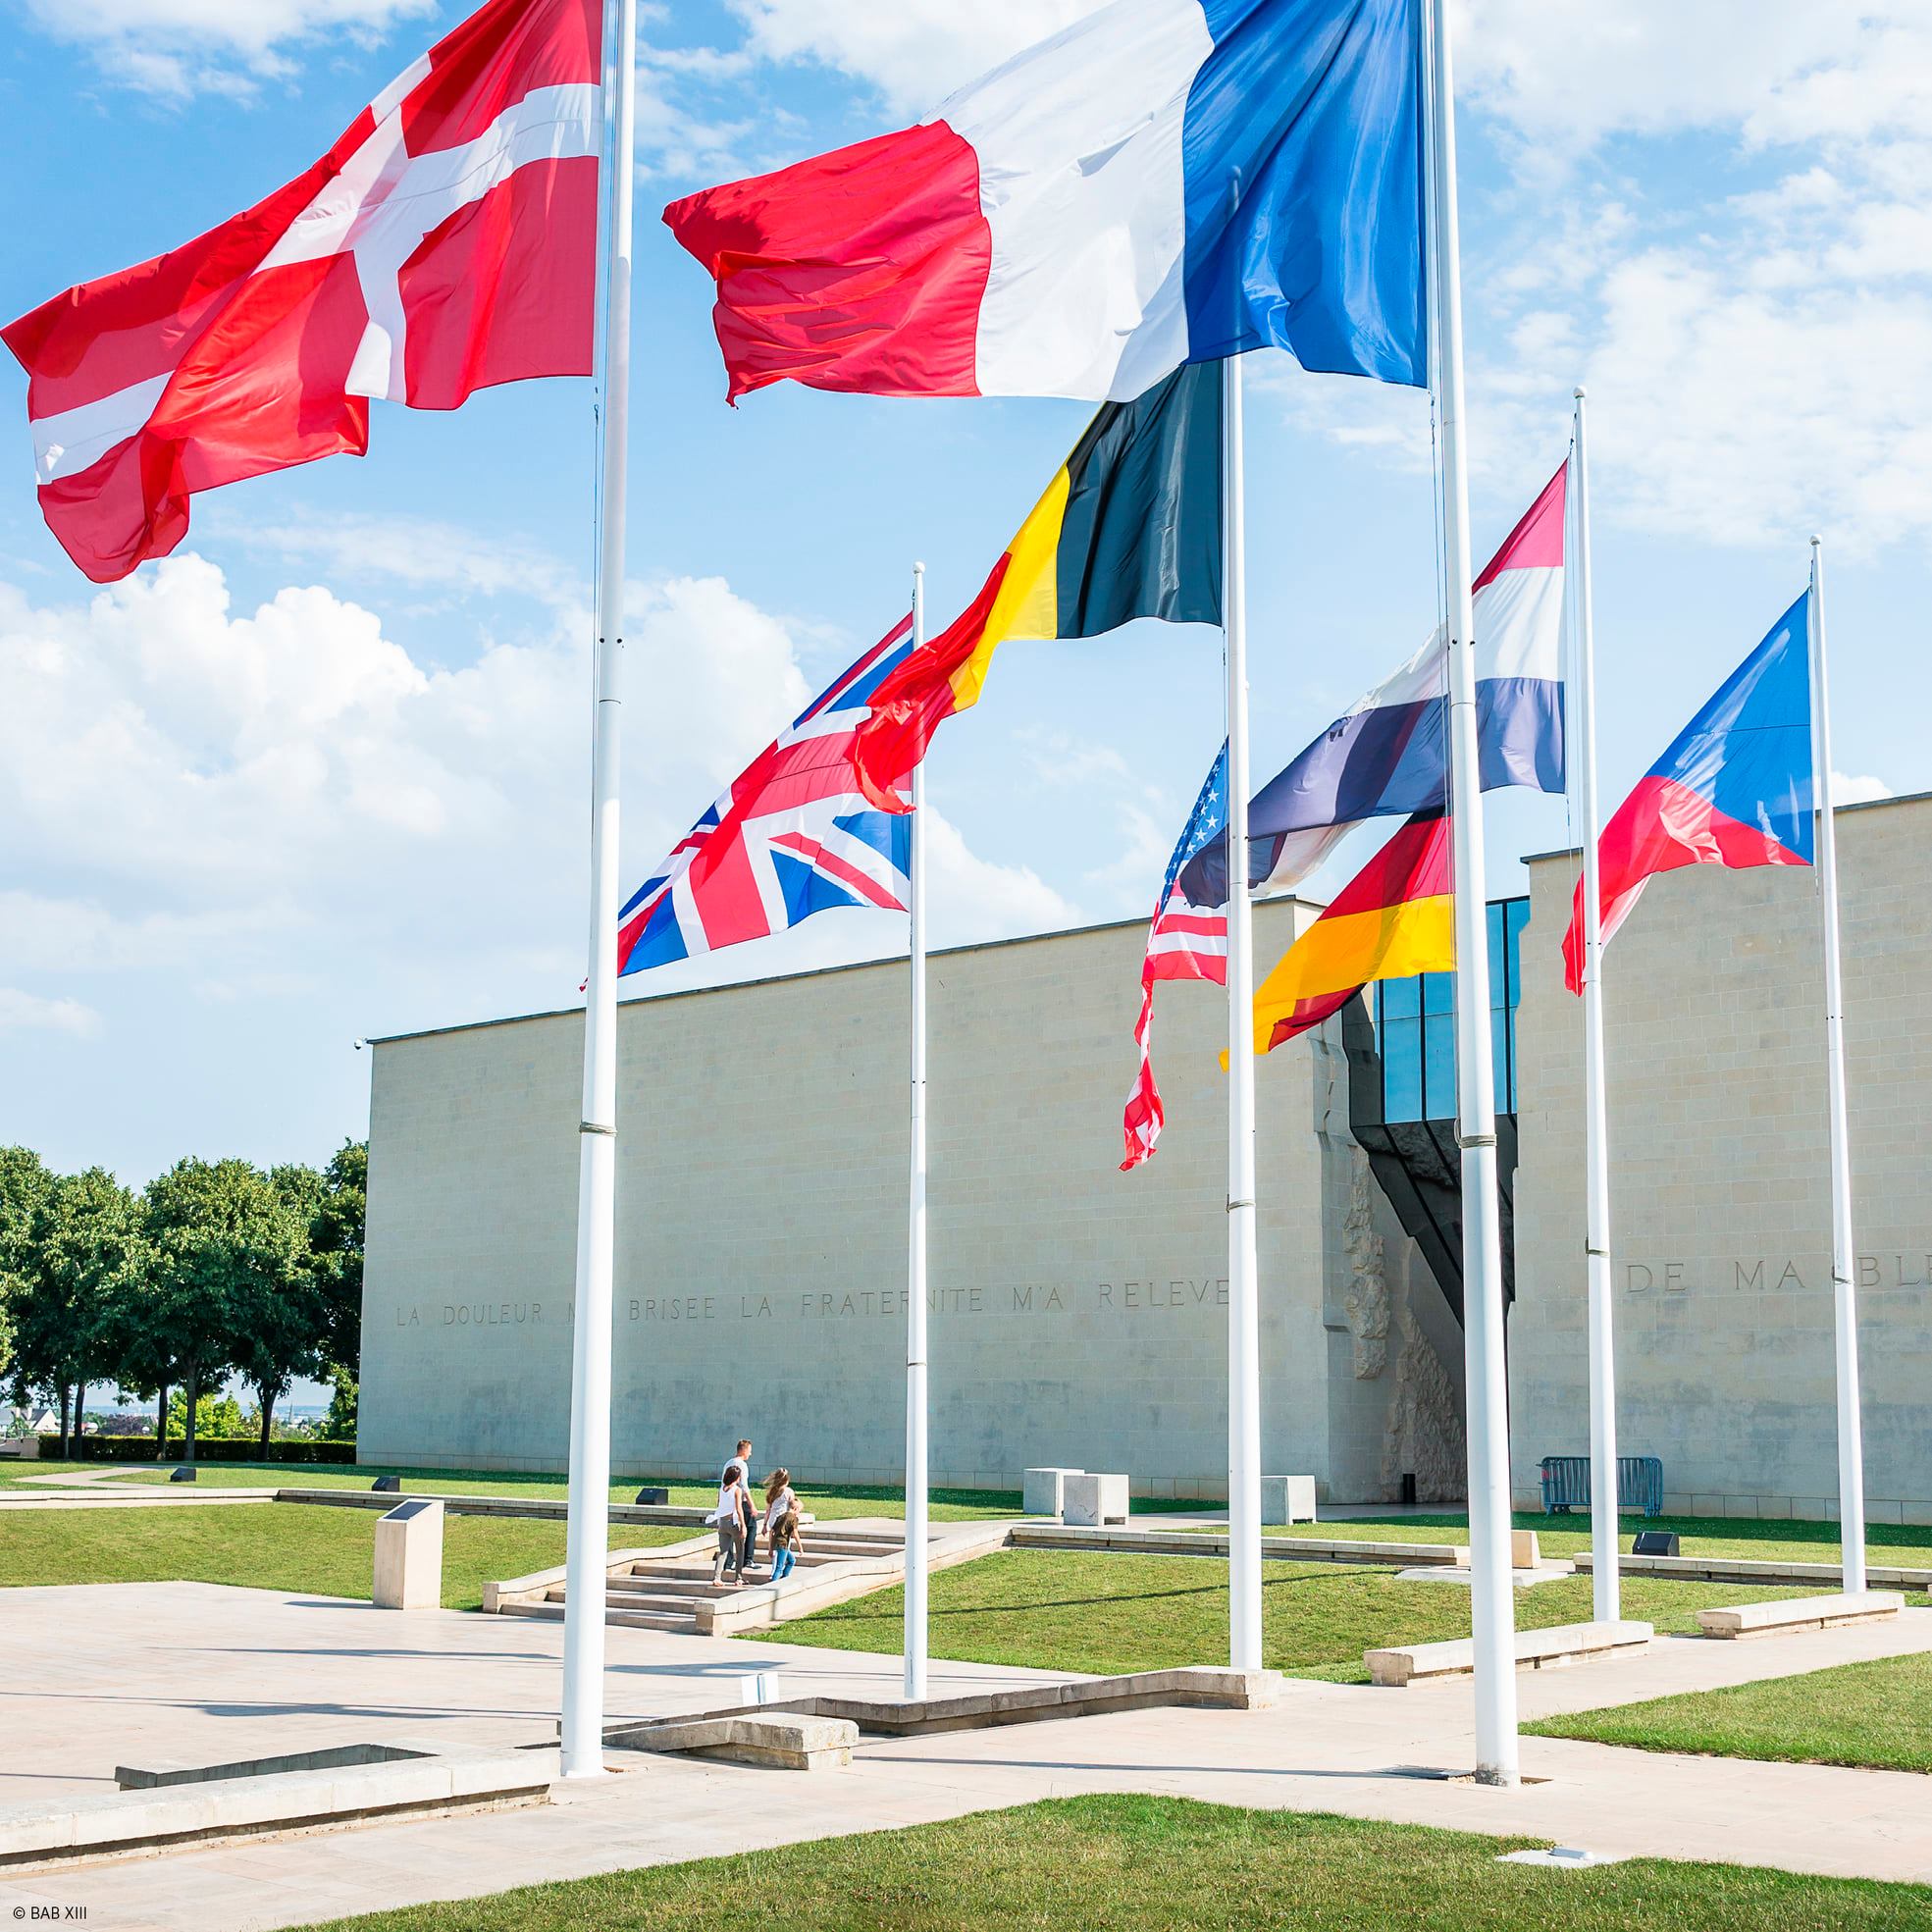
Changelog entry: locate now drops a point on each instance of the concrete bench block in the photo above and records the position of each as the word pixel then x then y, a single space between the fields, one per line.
pixel 1042 1491
pixel 1288 1499
pixel 1800 1613
pixel 1094 1502
pixel 1535 1649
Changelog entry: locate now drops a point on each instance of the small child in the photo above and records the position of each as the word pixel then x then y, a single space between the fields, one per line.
pixel 786 1544
pixel 730 1521
pixel 781 1524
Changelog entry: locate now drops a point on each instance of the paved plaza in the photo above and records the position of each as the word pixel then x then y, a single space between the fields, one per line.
pixel 133 1673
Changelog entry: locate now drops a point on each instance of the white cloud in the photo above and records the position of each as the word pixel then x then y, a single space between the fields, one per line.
pixel 178 48
pixel 407 550
pixel 975 899
pixel 915 52
pixel 1846 789
pixel 23 1011
pixel 272 803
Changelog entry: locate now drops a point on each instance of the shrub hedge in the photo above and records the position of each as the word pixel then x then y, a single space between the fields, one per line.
pixel 143 1448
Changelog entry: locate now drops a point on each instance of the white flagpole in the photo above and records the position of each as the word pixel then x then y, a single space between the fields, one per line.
pixel 587 1534
pixel 916 1310
pixel 1607 1591
pixel 1243 1292
pixel 1494 1608
pixel 1844 1292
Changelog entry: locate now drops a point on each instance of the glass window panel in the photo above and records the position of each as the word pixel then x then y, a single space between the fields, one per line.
pixel 1401 998
pixel 1494 926
pixel 1439 992
pixel 1439 1069
pixel 1500 1046
pixel 1402 1070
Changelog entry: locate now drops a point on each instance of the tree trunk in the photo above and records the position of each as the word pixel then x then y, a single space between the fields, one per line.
pixel 81 1413
pixel 63 1435
pixel 193 1396
pixel 267 1395
pixel 161 1426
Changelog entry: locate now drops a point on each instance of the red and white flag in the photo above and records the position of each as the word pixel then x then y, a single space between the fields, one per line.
pixel 446 242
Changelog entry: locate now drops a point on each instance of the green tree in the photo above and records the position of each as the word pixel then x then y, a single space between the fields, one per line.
pixel 83 1237
pixel 24 1182
pixel 217 1418
pixel 336 1235
pixel 289 1328
pixel 226 1246
pixel 339 1424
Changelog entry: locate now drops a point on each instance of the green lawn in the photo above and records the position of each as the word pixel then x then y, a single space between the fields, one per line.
pixel 1108 1613
pixel 1126 1863
pixel 1763 1540
pixel 838 1499
pixel 1877 1713
pixel 327 1553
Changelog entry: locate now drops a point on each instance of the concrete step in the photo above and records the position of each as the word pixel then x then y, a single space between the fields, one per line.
pixel 552 1612
pixel 664 1582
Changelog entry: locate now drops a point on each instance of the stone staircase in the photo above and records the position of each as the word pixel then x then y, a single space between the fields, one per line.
pixel 671 1588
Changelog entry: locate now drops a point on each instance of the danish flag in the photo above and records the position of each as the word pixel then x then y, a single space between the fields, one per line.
pixel 446 242
pixel 793 836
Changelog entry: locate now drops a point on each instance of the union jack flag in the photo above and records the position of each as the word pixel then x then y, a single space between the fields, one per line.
pixel 1187 940
pixel 792 836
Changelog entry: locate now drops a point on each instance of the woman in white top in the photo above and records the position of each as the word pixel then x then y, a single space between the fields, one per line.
pixel 730 1521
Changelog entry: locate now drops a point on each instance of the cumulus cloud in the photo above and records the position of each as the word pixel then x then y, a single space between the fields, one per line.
pixel 271 800
pixel 19 1010
pixel 1848 788
pixel 915 52
pixel 177 48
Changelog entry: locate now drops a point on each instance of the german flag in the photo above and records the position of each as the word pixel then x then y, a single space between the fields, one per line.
pixel 1129 527
pixel 1393 918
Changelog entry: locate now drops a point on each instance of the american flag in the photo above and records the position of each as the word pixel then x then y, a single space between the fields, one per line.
pixel 1187 940
pixel 792 836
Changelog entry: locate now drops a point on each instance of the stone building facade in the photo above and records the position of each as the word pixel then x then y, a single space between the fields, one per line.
pixel 1078 1313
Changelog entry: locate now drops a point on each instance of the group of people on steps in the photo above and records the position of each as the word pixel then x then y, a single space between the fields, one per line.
pixel 737 1518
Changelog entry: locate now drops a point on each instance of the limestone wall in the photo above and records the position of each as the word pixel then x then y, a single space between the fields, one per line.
pixel 1077 1313
pixel 1721 1220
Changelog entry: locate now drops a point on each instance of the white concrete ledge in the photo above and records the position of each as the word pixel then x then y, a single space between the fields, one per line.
pixel 779 1740
pixel 1214 1543
pixel 428 1780
pixel 1755 1569
pixel 1535 1649
pixel 1793 1614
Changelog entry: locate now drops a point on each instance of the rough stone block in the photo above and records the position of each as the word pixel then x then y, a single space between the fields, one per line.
pixel 1094 1500
pixel 1288 1499
pixel 1042 1491
pixel 1799 1613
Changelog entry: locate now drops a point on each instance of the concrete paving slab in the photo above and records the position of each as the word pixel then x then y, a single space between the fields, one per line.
pixel 233 1671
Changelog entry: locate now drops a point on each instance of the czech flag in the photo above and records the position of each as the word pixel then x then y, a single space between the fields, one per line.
pixel 1164 181
pixel 1735 788
pixel 1129 527
pixel 1395 917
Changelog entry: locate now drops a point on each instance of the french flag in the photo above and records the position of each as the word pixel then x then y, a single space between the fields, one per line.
pixel 1387 754
pixel 1165 182
pixel 1735 788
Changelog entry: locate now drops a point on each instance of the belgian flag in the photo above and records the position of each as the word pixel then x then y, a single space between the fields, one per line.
pixel 1129 527
pixel 1393 918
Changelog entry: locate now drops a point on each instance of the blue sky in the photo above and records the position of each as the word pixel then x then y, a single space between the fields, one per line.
pixel 322 775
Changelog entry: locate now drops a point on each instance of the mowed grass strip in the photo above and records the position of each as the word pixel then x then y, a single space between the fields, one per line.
pixel 828 1501
pixel 1106 1614
pixel 1128 1863
pixel 1876 1714
pixel 269 1545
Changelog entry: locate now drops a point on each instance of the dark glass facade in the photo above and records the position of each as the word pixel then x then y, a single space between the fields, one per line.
pixel 1415 1021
